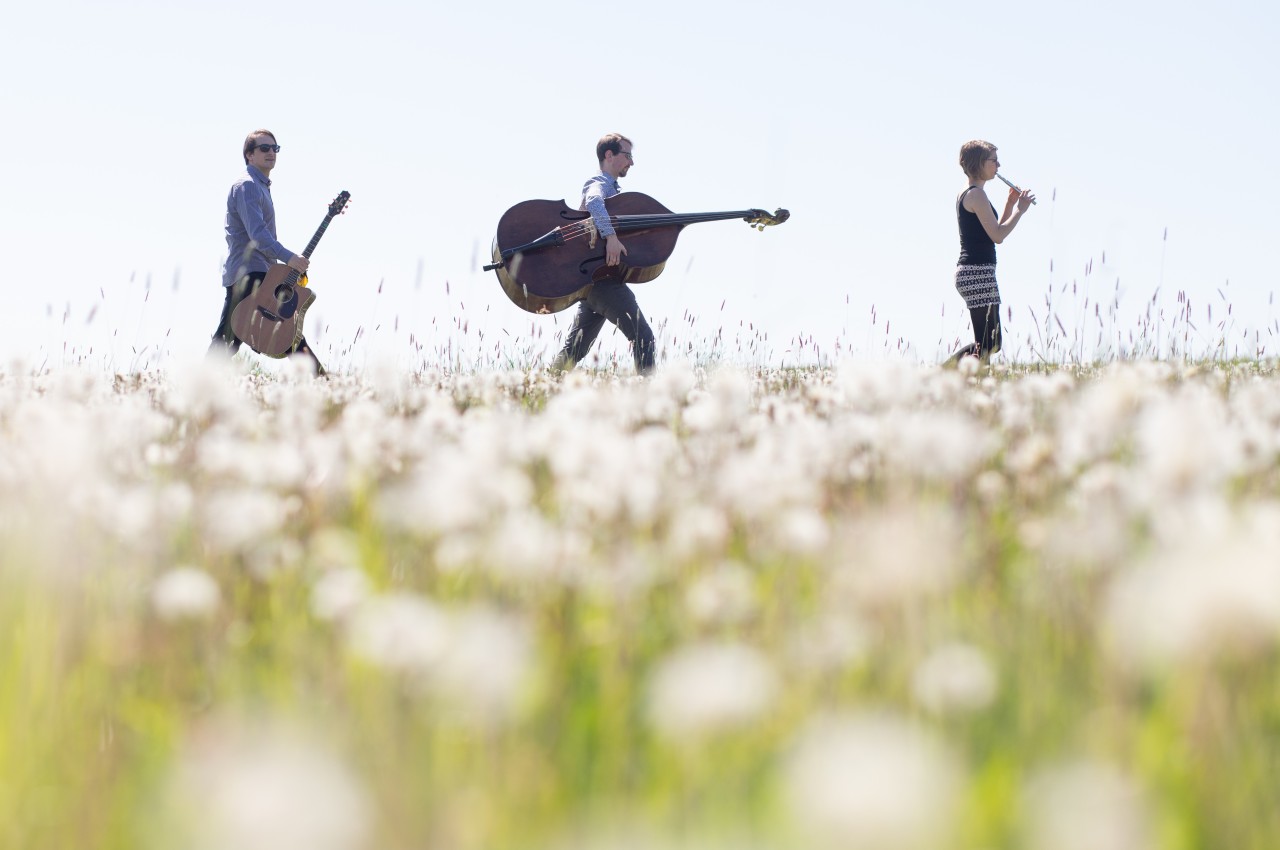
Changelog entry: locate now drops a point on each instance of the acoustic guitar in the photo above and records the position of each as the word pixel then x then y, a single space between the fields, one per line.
pixel 269 319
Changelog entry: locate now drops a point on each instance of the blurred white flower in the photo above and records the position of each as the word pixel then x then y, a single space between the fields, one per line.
pixel 333 548
pixel 185 593
pixel 937 445
pixel 401 632
pixel 802 531
pixel 1199 596
pixel 264 789
pixel 1087 806
pixel 873 782
pixel 1185 441
pixel 722 596
pixel 483 670
pixel 897 555
pixel 708 688
pixel 339 593
pixel 234 520
pixel 829 642
pixel 473 660
pixel 955 678
pixel 697 529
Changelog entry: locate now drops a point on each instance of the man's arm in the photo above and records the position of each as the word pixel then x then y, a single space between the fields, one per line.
pixel 593 200
pixel 248 207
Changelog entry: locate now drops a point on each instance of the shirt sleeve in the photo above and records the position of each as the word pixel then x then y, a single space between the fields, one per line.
pixel 593 200
pixel 249 209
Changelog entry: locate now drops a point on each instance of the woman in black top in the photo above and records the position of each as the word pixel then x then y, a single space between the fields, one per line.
pixel 980 232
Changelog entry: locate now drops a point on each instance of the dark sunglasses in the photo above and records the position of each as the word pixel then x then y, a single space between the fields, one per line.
pixel 265 148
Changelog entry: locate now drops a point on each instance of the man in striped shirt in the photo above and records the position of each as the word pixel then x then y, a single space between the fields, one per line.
pixel 252 246
pixel 608 299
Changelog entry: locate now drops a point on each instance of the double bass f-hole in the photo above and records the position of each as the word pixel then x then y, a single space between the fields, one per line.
pixel 585 266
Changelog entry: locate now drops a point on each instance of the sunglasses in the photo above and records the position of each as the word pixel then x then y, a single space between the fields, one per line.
pixel 265 148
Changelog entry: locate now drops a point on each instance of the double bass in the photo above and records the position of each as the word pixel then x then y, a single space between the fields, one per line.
pixel 548 256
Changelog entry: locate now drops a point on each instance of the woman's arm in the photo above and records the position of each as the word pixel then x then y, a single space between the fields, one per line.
pixel 977 203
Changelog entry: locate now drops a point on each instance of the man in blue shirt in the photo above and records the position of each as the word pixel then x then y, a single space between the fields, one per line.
pixel 252 246
pixel 608 299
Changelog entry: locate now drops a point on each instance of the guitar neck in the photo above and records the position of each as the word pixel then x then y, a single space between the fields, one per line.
pixel 294 274
pixel 315 240
pixel 623 223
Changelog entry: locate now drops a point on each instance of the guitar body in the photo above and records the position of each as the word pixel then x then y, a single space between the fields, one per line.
pixel 551 280
pixel 269 319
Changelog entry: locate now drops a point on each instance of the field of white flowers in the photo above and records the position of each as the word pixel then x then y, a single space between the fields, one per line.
pixel 875 606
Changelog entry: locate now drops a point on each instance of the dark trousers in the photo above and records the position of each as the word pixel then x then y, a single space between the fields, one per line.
pixel 986 333
pixel 617 303
pixel 224 338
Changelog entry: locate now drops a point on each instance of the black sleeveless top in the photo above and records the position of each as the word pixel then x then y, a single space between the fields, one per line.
pixel 976 247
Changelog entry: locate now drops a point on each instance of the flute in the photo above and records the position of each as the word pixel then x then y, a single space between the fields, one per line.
pixel 1011 186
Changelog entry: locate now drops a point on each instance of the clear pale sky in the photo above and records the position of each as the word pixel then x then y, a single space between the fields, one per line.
pixel 124 122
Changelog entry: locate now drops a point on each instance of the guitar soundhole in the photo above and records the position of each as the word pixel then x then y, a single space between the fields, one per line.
pixel 284 294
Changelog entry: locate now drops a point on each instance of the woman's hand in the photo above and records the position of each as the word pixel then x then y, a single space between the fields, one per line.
pixel 1025 199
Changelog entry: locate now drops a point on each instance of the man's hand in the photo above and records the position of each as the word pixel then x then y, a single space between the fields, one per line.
pixel 614 250
pixel 298 262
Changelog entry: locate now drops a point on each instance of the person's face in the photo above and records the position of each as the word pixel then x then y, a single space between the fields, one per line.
pixel 618 164
pixel 262 160
pixel 990 166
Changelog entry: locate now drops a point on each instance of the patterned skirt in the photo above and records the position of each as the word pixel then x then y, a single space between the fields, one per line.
pixel 977 285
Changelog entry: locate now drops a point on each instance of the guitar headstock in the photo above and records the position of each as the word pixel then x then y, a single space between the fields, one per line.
pixel 760 219
pixel 339 204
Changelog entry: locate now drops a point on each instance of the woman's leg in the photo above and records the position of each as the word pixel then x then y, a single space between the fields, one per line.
pixel 986 330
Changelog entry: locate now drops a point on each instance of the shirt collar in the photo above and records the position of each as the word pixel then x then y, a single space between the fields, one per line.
pixel 609 179
pixel 258 176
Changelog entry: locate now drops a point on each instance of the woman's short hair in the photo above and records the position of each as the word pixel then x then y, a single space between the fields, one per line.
pixel 250 142
pixel 610 142
pixel 973 153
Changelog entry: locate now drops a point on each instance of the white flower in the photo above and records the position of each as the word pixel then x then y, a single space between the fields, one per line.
pixel 829 642
pixel 898 555
pixel 483 669
pixel 185 593
pixel 941 445
pixel 1199 596
pixel 234 520
pixel 802 531
pixel 955 678
pixel 706 688
pixel 264 789
pixel 1185 441
pixel 400 632
pixel 1087 806
pixel 722 596
pixel 873 782
pixel 339 593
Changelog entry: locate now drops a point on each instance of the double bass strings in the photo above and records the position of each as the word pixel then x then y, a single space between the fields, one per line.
pixel 585 226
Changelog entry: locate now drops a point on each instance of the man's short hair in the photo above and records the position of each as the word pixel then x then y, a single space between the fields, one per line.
pixel 610 142
pixel 251 141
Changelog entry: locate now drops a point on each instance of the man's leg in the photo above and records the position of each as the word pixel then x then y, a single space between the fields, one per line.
pixel 617 303
pixel 305 350
pixel 224 339
pixel 577 342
